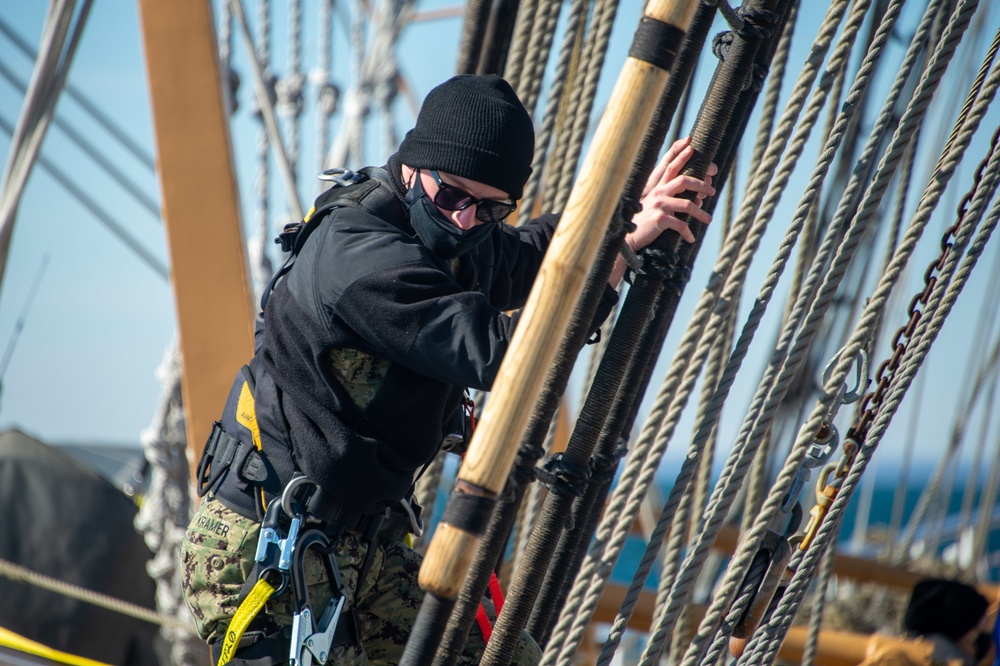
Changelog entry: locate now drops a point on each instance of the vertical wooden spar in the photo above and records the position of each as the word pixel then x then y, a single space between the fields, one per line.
pixel 555 294
pixel 200 206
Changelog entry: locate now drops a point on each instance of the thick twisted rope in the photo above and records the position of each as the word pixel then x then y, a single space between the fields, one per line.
pixel 759 651
pixel 768 398
pixel 819 603
pixel 645 461
pixel 538 54
pixel 583 96
pixel 556 104
pixel 264 98
pixel 523 31
pixel 721 503
pixel 769 640
pixel 327 94
pixel 166 511
pixel 18 573
pixel 289 89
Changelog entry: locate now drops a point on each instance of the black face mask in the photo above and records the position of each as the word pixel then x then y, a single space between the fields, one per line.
pixel 983 642
pixel 438 233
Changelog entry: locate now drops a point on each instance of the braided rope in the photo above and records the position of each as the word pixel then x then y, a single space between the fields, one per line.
pixel 18 573
pixel 259 242
pixel 769 107
pixel 762 407
pixel 326 93
pixel 582 103
pixel 165 512
pixel 819 603
pixel 523 30
pixel 913 358
pixel 969 495
pixel 553 110
pixel 766 642
pixel 982 529
pixel 537 55
pixel 736 468
pixel 627 496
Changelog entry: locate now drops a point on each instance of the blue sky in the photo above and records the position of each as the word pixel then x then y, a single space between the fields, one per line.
pixel 84 366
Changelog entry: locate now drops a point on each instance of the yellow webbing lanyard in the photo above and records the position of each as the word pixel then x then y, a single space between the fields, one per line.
pixel 245 614
pixel 9 639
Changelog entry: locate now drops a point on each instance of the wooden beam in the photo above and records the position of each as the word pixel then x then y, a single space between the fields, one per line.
pixel 201 211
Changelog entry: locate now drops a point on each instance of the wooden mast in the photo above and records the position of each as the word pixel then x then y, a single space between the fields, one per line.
pixel 201 212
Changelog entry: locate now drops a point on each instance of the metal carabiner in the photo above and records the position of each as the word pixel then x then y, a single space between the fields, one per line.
pixel 288 495
pixel 416 525
pixel 312 638
pixel 340 176
pixel 818 454
pixel 861 381
pixel 270 545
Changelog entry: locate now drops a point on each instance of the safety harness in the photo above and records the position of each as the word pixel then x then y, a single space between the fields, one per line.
pixel 296 516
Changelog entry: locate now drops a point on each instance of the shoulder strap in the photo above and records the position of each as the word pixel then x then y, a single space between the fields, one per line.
pixel 367 190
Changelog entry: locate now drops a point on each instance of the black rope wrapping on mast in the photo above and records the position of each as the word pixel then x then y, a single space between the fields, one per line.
pixel 548 531
pixel 494 541
pixel 499 33
pixel 564 477
pixel 427 630
pixel 659 263
pixel 732 112
pixel 477 14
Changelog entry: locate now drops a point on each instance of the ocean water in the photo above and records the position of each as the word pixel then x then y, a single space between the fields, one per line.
pixel 939 519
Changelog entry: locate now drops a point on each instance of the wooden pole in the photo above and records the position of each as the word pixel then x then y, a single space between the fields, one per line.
pixel 553 298
pixel 201 211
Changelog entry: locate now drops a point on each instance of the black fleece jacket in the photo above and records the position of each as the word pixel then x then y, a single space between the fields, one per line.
pixel 366 282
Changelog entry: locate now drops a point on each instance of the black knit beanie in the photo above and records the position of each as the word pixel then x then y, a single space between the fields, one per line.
pixel 474 127
pixel 948 607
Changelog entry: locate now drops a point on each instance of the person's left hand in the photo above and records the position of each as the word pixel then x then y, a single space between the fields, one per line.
pixel 661 203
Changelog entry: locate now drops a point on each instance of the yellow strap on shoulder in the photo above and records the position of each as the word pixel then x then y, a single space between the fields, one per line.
pixel 246 415
pixel 247 611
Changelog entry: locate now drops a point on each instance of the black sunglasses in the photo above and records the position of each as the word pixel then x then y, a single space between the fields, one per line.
pixel 450 197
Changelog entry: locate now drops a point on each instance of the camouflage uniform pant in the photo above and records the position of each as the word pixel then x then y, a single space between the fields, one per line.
pixel 217 555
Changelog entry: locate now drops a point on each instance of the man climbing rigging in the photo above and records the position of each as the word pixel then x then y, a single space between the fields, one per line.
pixel 391 305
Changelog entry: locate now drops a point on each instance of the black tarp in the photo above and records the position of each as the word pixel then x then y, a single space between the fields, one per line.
pixel 61 519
